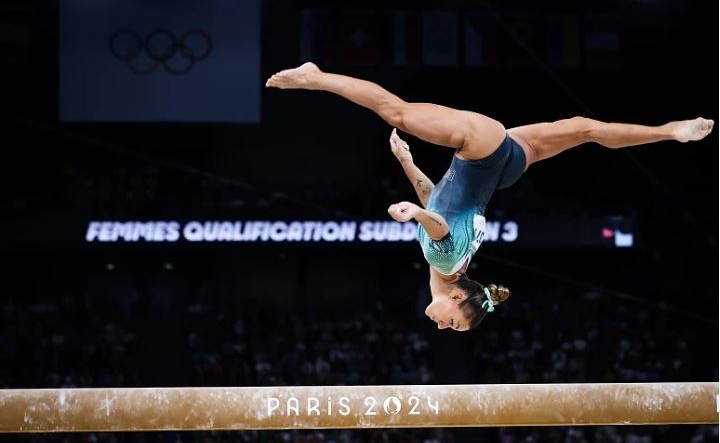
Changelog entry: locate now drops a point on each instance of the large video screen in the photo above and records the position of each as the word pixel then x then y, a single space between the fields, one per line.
pixel 159 61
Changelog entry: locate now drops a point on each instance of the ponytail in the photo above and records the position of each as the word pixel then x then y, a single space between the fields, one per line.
pixel 480 299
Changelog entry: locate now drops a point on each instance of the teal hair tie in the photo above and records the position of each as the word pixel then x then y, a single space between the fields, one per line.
pixel 488 302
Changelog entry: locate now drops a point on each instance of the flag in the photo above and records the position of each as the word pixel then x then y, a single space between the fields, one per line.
pixel 160 60
pixel 562 40
pixel 481 39
pixel 440 38
pixel 406 39
pixel 602 48
pixel 15 43
pixel 311 39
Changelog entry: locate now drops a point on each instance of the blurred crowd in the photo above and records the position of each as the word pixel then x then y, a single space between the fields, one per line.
pixel 117 338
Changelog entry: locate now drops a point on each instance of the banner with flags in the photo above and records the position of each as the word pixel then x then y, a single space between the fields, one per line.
pixel 371 38
pixel 160 60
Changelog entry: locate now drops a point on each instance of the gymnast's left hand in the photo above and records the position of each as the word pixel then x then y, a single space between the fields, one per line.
pixel 403 211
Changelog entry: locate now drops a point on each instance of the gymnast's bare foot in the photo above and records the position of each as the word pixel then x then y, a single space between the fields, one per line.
pixel 692 130
pixel 296 78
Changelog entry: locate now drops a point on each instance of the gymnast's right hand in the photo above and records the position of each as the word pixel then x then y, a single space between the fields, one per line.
pixel 403 211
pixel 399 147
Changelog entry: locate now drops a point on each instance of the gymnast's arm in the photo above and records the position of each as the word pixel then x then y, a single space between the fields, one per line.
pixel 422 184
pixel 434 223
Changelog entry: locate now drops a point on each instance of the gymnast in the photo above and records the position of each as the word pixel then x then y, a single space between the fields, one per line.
pixel 488 157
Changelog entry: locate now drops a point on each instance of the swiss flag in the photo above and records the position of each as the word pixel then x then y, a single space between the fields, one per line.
pixel 349 38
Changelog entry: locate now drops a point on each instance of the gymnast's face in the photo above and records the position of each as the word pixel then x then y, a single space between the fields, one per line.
pixel 444 310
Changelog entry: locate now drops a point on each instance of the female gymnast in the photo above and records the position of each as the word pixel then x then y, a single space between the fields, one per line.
pixel 487 157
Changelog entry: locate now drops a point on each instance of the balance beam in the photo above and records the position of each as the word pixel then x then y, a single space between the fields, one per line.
pixel 336 407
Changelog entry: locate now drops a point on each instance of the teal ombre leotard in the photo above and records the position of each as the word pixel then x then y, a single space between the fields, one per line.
pixel 461 198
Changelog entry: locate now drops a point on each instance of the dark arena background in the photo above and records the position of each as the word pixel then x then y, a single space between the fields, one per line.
pixel 171 222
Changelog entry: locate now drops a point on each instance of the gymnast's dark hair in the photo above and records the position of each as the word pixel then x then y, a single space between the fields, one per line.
pixel 475 306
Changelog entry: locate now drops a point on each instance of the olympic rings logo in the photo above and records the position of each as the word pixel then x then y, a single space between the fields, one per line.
pixel 144 55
